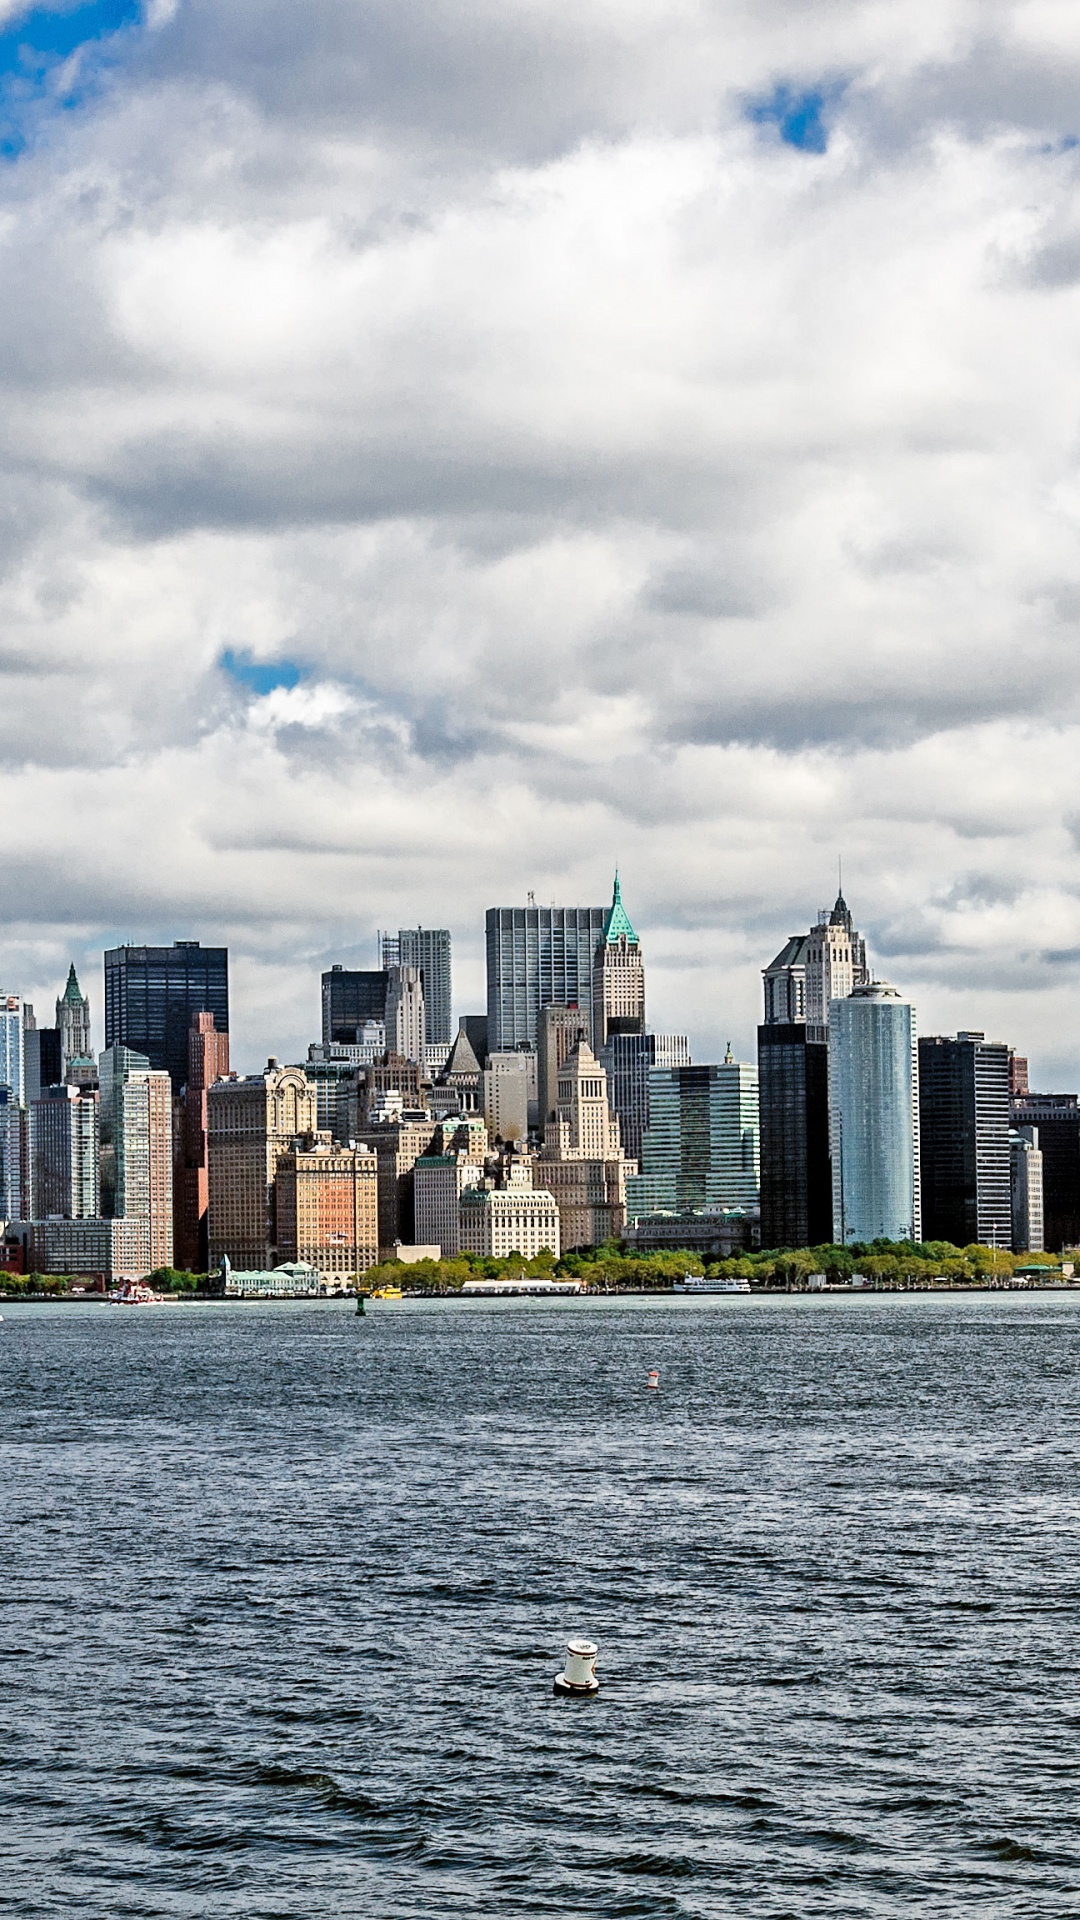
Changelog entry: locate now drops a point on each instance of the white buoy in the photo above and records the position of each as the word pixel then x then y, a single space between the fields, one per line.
pixel 654 1377
pixel 578 1675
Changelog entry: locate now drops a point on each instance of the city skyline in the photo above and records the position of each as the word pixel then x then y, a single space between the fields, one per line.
pixel 286 1025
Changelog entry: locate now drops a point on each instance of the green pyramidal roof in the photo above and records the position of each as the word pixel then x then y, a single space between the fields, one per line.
pixel 71 991
pixel 618 920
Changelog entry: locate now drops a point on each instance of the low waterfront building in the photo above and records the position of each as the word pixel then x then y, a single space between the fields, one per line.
pixel 115 1249
pixel 715 1233
pixel 291 1280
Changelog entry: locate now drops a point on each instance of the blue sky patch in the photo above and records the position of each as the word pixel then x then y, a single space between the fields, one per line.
pixel 259 676
pixel 797 114
pixel 38 41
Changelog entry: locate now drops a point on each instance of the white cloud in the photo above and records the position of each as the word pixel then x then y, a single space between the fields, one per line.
pixel 626 483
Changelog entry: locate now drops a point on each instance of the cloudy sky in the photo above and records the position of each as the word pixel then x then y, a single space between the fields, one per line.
pixel 453 446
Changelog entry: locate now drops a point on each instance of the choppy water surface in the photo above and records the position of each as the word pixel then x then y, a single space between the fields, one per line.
pixel 283 1594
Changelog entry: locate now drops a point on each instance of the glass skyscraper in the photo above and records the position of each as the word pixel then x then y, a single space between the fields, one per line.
pixel 151 994
pixel 700 1148
pixel 874 1116
pixel 964 1135
pixel 537 957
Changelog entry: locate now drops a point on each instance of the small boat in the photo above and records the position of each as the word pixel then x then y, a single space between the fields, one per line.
pixel 135 1294
pixel 388 1293
pixel 698 1283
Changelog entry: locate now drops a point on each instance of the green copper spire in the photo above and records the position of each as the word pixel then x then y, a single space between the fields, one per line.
pixel 71 991
pixel 618 920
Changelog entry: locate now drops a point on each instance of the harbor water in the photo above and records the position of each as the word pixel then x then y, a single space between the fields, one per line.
pixel 284 1593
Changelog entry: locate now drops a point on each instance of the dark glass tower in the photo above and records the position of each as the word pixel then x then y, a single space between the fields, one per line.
pixel 964 1134
pixel 349 999
pixel 1057 1117
pixel 152 993
pixel 796 1177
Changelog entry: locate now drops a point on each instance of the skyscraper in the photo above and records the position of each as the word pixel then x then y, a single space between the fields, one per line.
pixel 208 1060
pixel 13 1156
pixel 64 1139
pixel 796 1179
pixel 250 1124
pixel 137 1131
pixel 351 999
pixel 700 1148
pixel 874 1116
pixel 537 957
pixel 559 1031
pixel 1026 1165
pixel 405 1015
pixel 811 970
pixel 73 1021
pixel 835 963
pixel 582 1161
pixel 429 949
pixel 618 977
pixel 151 994
pixel 1057 1118
pixel 13 1047
pixel 964 1135
pixel 628 1060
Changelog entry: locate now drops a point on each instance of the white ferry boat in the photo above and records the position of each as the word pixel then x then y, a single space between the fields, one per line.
pixel 698 1283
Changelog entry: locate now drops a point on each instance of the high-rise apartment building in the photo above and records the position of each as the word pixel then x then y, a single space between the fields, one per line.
pixel 327 1207
pixel 1026 1165
pixel 73 1022
pixel 64 1141
pixel 618 977
pixel 874 1116
pixel 137 1147
pixel 151 994
pixel 796 1177
pixel 628 1059
pixel 582 1161
pixel 1057 1118
pixel 352 999
pixel 537 957
pixel 250 1124
pixel 405 1013
pixel 700 1149
pixel 964 1140
pixel 208 1060
pixel 14 1149
pixel 427 948
pixel 13 1047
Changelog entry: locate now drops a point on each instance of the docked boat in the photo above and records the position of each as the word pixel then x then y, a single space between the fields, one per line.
pixel 387 1293
pixel 699 1283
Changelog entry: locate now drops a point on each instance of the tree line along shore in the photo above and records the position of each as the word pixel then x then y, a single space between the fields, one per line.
pixel 612 1268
